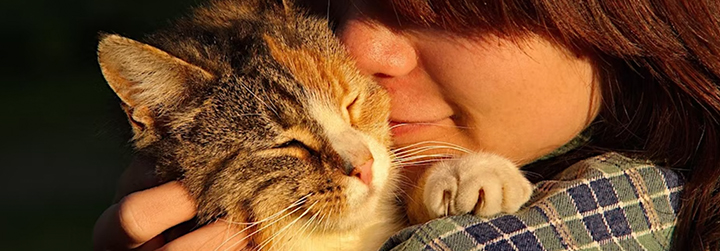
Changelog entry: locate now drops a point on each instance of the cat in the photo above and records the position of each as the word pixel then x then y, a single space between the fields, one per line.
pixel 257 109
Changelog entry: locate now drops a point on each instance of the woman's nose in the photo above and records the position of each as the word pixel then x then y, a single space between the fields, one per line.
pixel 378 51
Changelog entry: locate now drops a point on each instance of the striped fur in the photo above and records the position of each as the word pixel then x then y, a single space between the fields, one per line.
pixel 258 111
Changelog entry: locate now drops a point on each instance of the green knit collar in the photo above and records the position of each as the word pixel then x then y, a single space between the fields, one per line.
pixel 579 140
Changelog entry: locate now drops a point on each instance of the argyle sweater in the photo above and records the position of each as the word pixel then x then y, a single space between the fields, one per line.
pixel 608 202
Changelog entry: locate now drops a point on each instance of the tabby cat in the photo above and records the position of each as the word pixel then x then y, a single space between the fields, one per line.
pixel 259 112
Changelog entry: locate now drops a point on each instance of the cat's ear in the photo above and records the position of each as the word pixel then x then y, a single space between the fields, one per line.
pixel 148 80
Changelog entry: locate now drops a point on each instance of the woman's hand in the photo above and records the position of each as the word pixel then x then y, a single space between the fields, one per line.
pixel 137 221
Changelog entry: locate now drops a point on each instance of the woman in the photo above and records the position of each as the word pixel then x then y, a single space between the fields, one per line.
pixel 521 79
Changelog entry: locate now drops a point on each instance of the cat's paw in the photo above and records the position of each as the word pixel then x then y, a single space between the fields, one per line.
pixel 481 183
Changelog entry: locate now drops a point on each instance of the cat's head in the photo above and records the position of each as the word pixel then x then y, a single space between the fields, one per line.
pixel 258 119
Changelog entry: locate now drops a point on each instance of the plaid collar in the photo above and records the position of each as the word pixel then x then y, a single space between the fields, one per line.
pixel 608 202
pixel 579 140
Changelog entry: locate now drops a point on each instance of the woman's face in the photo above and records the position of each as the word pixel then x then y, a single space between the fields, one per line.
pixel 520 99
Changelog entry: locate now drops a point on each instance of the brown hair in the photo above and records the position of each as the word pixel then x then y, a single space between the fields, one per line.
pixel 659 62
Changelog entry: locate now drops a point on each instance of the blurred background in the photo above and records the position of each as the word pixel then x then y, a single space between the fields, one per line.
pixel 64 137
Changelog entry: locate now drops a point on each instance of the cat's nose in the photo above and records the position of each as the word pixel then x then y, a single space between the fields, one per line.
pixel 361 171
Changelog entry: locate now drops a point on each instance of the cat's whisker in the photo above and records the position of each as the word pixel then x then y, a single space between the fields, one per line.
pixel 419 162
pixel 447 145
pixel 431 147
pixel 429 159
pixel 411 154
pixel 322 218
pixel 424 156
pixel 402 194
pixel 532 174
pixel 405 180
pixel 247 88
pixel 309 222
pixel 432 142
pixel 301 230
pixel 283 229
pixel 333 210
pixel 432 157
pixel 273 104
pixel 284 235
pixel 415 163
pixel 228 238
pixel 430 124
pixel 436 156
pixel 313 221
pixel 403 184
pixel 296 205
pixel 329 212
pixel 235 235
pixel 417 151
pixel 413 145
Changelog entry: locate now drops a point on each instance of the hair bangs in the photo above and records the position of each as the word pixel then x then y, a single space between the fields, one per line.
pixel 501 17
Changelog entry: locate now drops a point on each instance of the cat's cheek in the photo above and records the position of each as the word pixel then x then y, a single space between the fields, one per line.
pixel 360 192
pixel 364 200
pixel 382 169
pixel 357 193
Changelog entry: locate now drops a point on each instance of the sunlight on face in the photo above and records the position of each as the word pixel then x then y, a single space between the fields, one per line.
pixel 520 100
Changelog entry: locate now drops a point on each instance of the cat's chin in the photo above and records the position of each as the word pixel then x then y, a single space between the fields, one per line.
pixel 365 206
pixel 354 218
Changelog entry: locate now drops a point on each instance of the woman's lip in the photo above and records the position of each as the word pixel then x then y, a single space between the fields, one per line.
pixel 399 122
pixel 399 128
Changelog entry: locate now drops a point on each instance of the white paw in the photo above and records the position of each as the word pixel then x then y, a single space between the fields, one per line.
pixel 481 183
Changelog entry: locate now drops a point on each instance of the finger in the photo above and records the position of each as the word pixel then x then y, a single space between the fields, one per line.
pixel 140 175
pixel 153 244
pixel 140 216
pixel 215 236
pixel 180 230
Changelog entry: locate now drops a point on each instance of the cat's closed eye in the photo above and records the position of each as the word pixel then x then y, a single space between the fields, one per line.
pixel 296 144
pixel 352 103
pixel 351 110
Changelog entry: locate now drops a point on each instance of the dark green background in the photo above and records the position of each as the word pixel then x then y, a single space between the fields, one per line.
pixel 64 138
